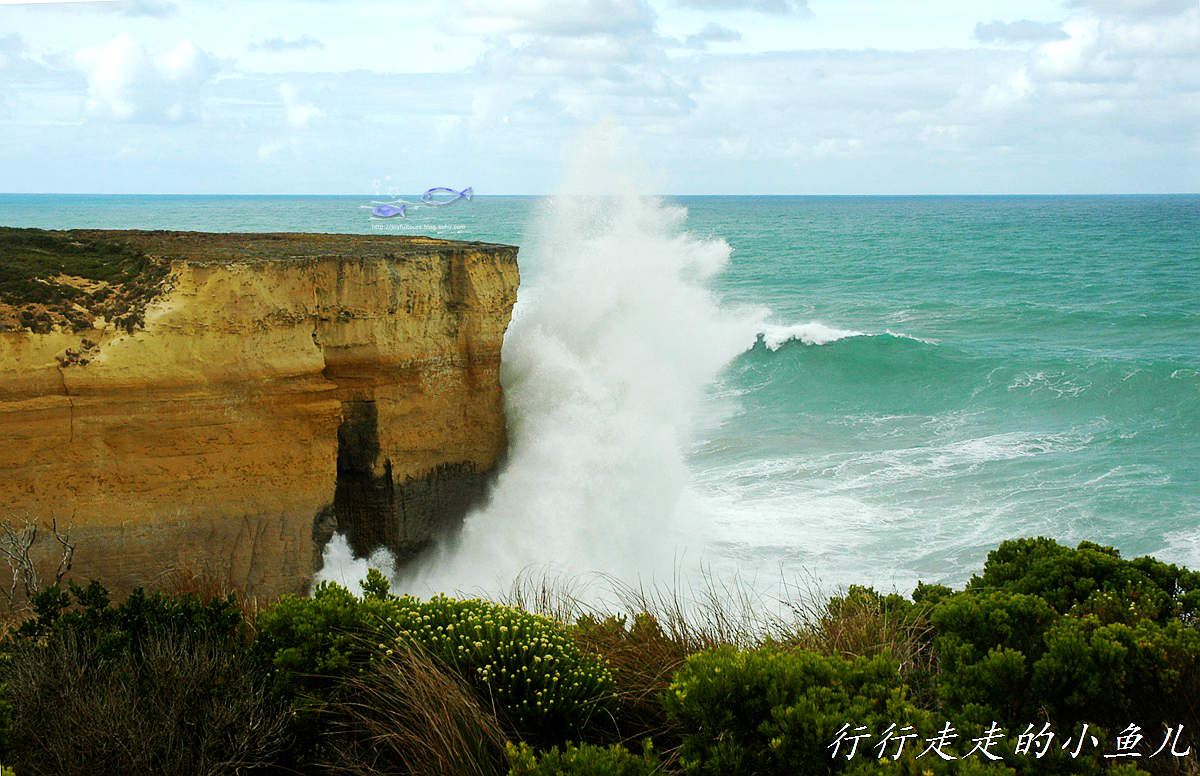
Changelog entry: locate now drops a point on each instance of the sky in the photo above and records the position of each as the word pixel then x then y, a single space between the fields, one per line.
pixel 716 96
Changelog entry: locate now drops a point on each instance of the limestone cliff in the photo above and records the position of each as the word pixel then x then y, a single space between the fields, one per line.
pixel 279 386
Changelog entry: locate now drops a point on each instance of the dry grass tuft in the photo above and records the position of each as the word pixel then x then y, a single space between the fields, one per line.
pixel 861 623
pixel 410 715
pixel 207 585
pixel 655 629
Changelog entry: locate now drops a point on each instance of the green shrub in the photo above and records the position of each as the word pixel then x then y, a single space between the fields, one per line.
pixel 769 712
pixel 311 643
pixel 311 646
pixel 1066 578
pixel 1071 635
pixel 523 665
pixel 115 628
pixel 1115 673
pixel 986 643
pixel 155 684
pixel 583 760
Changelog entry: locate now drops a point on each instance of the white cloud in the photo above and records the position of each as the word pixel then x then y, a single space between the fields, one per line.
pixel 1135 7
pixel 158 8
pixel 271 148
pixel 155 8
pixel 12 50
pixel 299 114
pixel 127 82
pixel 549 17
pixel 1148 52
pixel 1007 94
pixel 1047 115
pixel 799 7
pixel 1020 31
pixel 303 43
pixel 712 33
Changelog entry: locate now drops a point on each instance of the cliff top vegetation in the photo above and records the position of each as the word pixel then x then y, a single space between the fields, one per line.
pixel 68 279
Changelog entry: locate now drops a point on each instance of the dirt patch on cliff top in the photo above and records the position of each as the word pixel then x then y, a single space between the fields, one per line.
pixel 65 279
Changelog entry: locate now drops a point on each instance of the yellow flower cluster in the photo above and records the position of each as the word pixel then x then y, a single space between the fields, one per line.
pixel 526 664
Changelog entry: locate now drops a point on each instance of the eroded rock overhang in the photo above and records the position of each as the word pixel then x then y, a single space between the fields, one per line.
pixel 279 387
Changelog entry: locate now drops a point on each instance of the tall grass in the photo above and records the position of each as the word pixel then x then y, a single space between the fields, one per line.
pixel 410 715
pixel 647 632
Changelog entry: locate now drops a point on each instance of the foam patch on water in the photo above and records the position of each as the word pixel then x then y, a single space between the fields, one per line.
pixel 815 333
pixel 811 333
pixel 1182 548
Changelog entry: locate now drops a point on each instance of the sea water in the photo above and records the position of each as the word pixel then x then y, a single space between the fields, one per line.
pixel 852 389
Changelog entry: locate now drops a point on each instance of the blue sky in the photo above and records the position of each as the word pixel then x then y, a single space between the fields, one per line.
pixel 717 96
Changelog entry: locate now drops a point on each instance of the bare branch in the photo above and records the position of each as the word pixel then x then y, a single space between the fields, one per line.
pixel 16 549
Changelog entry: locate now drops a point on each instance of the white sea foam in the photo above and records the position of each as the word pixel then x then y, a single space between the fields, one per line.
pixel 1182 547
pixel 811 333
pixel 1057 383
pixel 902 335
pixel 815 333
pixel 339 564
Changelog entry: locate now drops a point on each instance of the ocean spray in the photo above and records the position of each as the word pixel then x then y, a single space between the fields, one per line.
pixel 614 337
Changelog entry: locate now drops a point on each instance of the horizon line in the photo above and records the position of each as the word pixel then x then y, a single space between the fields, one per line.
pixel 552 194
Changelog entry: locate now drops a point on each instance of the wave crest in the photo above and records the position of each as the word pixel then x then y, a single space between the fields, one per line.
pixel 811 333
pixel 815 333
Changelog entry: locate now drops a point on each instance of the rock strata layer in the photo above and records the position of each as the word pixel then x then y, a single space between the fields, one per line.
pixel 280 387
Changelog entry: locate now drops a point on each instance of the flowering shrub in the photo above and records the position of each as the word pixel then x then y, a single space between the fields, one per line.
pixel 526 665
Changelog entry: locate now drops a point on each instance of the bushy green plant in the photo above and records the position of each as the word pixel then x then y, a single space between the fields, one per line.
pixel 771 712
pixel 526 665
pixel 986 643
pixel 1116 673
pixel 1073 635
pixel 311 643
pixel 88 612
pixel 154 684
pixel 1066 578
pixel 523 665
pixel 583 760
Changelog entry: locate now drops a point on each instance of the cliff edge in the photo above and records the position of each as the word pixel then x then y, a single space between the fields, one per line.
pixel 220 404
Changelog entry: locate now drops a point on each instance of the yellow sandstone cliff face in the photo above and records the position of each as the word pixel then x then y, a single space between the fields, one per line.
pixel 283 386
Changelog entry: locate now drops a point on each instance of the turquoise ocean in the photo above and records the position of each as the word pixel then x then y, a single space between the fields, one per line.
pixel 931 376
